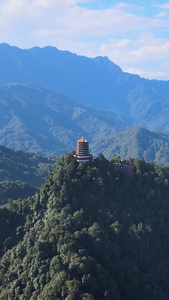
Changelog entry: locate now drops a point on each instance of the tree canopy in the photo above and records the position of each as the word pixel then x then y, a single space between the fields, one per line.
pixel 90 233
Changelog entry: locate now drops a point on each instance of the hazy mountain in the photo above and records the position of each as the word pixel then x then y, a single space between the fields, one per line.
pixel 47 123
pixel 21 173
pixel 139 143
pixel 37 120
pixel 15 190
pixel 26 167
pixel 44 122
pixel 97 82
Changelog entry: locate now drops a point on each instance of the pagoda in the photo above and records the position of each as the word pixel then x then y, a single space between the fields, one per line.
pixel 82 151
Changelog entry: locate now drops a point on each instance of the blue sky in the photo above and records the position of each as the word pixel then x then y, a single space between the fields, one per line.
pixel 133 34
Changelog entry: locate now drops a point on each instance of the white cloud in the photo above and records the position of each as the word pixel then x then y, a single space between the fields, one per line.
pixel 146 55
pixel 65 17
pixel 148 74
pixel 161 15
pixel 84 1
pixel 150 53
pixel 145 47
pixel 165 5
pixel 64 24
pixel 124 5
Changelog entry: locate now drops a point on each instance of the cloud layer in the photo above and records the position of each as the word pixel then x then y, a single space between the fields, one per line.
pixel 125 32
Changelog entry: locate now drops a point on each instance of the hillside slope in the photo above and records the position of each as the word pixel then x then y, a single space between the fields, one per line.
pixel 30 168
pixel 139 143
pixel 37 120
pixel 15 190
pixel 91 233
pixel 22 174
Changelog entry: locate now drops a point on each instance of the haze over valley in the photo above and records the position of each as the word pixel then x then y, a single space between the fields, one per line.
pixel 50 98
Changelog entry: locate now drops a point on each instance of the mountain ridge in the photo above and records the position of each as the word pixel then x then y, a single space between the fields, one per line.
pixel 101 102
pixel 37 120
pixel 139 143
pixel 94 82
pixel 16 165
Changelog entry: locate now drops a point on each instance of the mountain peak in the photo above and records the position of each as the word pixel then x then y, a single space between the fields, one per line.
pixel 106 62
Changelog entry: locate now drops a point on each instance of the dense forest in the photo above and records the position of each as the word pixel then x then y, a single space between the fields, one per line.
pixel 16 165
pixel 21 173
pixel 90 233
pixel 15 190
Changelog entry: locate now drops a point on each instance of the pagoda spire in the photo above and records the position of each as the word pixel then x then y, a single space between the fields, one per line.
pixel 82 150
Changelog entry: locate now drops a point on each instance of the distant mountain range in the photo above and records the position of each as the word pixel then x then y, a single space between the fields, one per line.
pixel 22 174
pixel 100 101
pixel 26 167
pixel 37 120
pixel 139 143
pixel 95 82
pixel 41 121
pixel 15 190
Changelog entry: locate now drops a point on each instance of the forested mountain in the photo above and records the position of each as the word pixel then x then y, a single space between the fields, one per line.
pixel 22 174
pixel 17 165
pixel 91 233
pixel 15 190
pixel 37 120
pixel 47 123
pixel 96 82
pixel 139 143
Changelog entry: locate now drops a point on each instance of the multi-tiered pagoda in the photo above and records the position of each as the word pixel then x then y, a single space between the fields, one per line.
pixel 82 151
